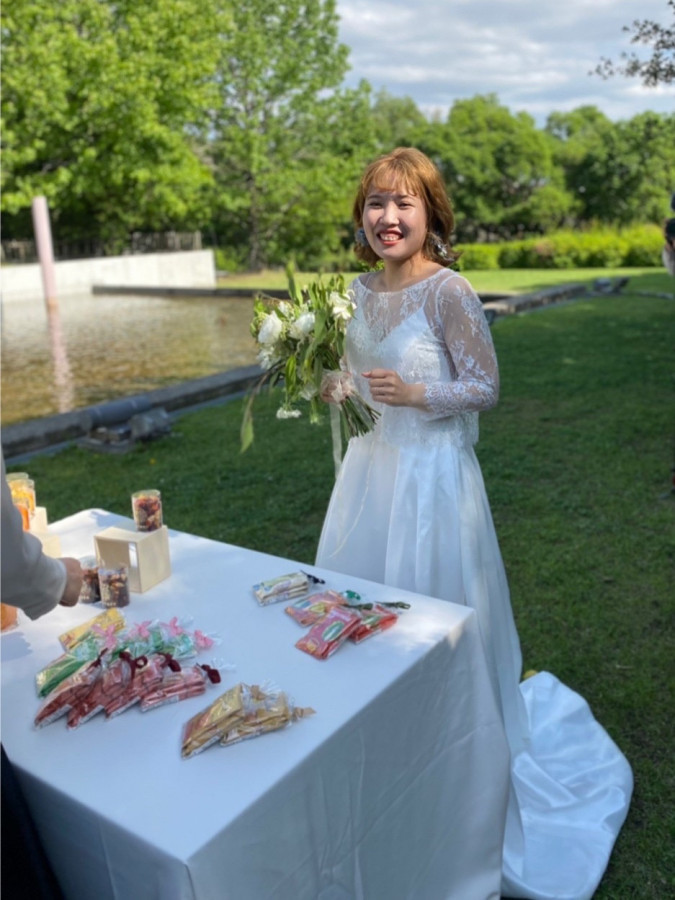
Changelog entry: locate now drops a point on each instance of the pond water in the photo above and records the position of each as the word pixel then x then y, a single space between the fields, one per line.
pixel 99 348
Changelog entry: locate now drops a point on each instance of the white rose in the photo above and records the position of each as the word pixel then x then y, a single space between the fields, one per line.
pixel 283 413
pixel 270 330
pixel 342 305
pixel 302 326
pixel 267 357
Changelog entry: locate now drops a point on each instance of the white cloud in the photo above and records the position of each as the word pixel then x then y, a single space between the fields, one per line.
pixel 535 55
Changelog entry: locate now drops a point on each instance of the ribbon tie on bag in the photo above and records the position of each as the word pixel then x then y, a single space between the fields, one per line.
pixel 140 662
pixel 212 674
pixel 172 663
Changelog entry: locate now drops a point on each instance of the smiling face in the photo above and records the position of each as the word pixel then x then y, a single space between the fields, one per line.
pixel 395 223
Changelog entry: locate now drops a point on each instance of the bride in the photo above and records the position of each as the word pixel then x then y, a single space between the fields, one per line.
pixel 409 509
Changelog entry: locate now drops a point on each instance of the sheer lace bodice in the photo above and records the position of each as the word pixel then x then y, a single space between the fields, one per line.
pixel 434 333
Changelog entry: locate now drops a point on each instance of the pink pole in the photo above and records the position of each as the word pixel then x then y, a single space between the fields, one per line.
pixel 43 239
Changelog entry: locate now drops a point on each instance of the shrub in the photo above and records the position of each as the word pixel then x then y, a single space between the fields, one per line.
pixel 228 260
pixel 479 256
pixel 568 249
pixel 644 245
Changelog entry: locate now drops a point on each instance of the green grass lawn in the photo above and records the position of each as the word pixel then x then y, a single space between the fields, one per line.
pixel 506 280
pixel 577 460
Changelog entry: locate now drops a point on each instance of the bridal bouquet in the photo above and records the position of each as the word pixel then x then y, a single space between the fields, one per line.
pixel 301 343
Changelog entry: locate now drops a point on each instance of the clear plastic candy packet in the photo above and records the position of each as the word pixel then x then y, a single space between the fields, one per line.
pixel 285 588
pixel 181 685
pixel 310 610
pixel 328 635
pixel 113 681
pixel 146 675
pixel 209 725
pixel 67 694
pixel 379 618
pixel 49 678
pixel 171 637
pixel 267 710
pixel 111 617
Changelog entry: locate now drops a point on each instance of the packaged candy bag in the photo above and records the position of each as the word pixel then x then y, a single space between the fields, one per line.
pixel 266 711
pixel 208 726
pixel 170 637
pixel 67 664
pixel 373 620
pixel 310 610
pixel 105 620
pixel 181 685
pixel 66 695
pixel 284 588
pixel 114 679
pixel 147 673
pixel 328 635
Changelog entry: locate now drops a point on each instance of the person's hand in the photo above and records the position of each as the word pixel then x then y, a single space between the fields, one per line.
pixel 387 386
pixel 71 592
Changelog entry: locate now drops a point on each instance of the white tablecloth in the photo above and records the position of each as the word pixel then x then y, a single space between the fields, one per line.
pixel 396 788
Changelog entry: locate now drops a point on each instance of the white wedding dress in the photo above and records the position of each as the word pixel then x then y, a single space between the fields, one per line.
pixel 409 509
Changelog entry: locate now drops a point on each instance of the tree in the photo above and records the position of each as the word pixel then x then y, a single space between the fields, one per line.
pixel 618 171
pixel 659 68
pixel 287 142
pixel 499 170
pixel 102 101
pixel 397 121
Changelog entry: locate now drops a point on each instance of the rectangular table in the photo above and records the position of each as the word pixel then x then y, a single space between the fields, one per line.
pixel 396 788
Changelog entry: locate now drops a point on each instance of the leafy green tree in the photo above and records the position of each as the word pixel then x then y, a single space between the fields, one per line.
pixel 499 170
pixel 102 101
pixel 397 121
pixel 659 68
pixel 287 142
pixel 619 172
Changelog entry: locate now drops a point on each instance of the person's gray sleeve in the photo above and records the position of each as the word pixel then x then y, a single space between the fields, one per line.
pixel 29 578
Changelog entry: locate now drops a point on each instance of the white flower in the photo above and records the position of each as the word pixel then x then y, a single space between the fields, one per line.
pixel 302 326
pixel 283 413
pixel 270 330
pixel 342 305
pixel 308 392
pixel 267 357
pixel 285 309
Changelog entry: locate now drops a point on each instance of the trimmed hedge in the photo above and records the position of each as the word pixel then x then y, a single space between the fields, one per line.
pixel 569 249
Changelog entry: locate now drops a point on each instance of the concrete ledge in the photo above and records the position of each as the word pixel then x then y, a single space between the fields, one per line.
pixel 186 291
pixel 76 276
pixel 38 434
pixel 508 306
pixel 277 294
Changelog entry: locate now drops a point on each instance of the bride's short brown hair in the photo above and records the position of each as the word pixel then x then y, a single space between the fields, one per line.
pixel 412 170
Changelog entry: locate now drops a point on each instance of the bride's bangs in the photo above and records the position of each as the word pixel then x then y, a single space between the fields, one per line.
pixel 394 175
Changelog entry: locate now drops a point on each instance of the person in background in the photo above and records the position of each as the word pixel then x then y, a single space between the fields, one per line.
pixel 36 583
pixel 668 254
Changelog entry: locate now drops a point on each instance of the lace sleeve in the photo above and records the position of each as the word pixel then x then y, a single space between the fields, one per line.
pixel 457 317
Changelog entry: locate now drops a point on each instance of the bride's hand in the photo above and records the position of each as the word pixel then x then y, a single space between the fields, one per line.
pixel 387 386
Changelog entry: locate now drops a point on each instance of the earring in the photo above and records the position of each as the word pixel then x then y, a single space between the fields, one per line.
pixel 438 244
pixel 360 238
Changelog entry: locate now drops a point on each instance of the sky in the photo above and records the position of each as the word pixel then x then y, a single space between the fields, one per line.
pixel 534 54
